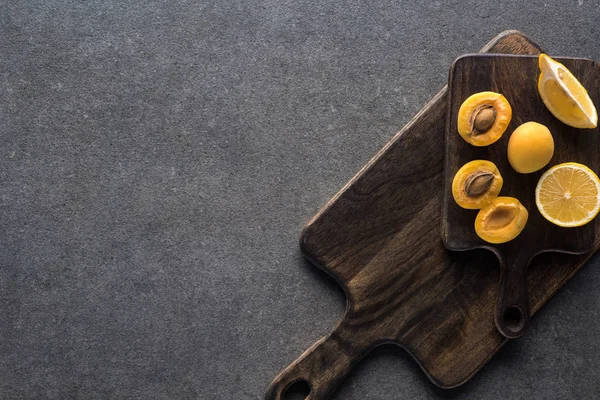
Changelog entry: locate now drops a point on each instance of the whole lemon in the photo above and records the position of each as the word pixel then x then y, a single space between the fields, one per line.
pixel 530 147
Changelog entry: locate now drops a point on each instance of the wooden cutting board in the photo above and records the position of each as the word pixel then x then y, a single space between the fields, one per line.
pixel 379 237
pixel 515 76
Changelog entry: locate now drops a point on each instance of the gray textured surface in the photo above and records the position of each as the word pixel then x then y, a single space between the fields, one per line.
pixel 158 161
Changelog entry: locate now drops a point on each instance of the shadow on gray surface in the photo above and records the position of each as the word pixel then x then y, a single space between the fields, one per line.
pixel 326 278
pixel 402 360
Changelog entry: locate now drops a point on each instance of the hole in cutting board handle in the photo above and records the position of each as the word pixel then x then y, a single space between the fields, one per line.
pixel 514 320
pixel 299 390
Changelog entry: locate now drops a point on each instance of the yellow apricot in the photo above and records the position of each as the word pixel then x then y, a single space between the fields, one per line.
pixel 530 147
pixel 502 220
pixel 476 183
pixel 483 118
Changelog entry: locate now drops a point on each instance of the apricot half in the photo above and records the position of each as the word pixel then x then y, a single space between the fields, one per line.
pixel 530 147
pixel 476 183
pixel 502 220
pixel 483 118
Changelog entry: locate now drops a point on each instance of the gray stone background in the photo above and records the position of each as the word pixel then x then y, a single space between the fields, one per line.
pixel 159 159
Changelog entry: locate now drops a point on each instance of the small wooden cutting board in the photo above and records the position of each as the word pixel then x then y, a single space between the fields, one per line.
pixel 516 78
pixel 379 238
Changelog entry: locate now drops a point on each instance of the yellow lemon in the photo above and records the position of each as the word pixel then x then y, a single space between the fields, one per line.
pixel 568 195
pixel 564 95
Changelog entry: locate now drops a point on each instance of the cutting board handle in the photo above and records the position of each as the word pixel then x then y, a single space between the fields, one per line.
pixel 512 307
pixel 324 365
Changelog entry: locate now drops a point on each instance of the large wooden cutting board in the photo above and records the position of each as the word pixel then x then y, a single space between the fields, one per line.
pixel 379 237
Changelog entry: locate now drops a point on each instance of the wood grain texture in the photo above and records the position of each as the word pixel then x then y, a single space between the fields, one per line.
pixel 516 78
pixel 379 238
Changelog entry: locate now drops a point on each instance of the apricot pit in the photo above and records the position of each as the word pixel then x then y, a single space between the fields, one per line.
pixel 483 118
pixel 476 183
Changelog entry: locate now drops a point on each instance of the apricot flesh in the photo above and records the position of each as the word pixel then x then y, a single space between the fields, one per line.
pixel 530 147
pixel 483 118
pixel 476 183
pixel 502 220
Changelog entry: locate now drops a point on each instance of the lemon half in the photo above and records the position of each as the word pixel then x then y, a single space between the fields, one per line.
pixel 568 195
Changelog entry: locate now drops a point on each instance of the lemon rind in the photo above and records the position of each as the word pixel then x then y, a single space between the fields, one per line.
pixel 547 63
pixel 573 224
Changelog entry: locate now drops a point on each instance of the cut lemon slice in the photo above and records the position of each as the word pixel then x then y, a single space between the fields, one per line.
pixel 564 95
pixel 568 195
